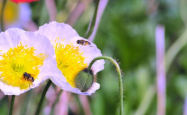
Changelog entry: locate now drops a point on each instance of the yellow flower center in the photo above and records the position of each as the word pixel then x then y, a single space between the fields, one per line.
pixel 70 61
pixel 16 62
pixel 11 12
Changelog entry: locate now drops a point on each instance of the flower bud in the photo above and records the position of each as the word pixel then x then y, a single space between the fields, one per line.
pixel 84 80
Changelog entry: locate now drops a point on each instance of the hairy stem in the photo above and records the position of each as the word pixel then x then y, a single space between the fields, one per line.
pixel 119 77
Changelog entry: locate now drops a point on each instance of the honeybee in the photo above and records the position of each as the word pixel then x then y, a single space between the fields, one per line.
pixel 28 77
pixel 83 42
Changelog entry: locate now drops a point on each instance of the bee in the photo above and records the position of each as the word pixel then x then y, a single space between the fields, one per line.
pixel 83 42
pixel 28 77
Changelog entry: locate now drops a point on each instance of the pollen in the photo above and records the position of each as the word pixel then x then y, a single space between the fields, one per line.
pixel 70 61
pixel 16 62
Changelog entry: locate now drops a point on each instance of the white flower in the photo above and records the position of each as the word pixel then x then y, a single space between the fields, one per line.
pixel 26 60
pixel 73 55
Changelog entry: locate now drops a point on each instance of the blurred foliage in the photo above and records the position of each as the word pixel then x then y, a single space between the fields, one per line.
pixel 4 106
pixel 127 33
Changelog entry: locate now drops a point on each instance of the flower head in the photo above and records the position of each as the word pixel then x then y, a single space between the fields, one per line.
pixel 23 1
pixel 73 55
pixel 24 60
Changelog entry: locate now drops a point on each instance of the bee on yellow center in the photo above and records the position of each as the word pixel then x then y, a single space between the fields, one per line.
pixel 28 77
pixel 19 67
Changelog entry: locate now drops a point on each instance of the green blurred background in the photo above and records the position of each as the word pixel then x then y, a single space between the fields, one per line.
pixel 127 33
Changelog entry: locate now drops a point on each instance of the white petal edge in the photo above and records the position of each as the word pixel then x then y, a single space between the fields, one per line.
pixel 9 39
pixel 67 87
pixel 55 30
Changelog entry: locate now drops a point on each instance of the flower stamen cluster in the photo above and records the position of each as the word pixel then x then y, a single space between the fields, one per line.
pixel 16 62
pixel 70 61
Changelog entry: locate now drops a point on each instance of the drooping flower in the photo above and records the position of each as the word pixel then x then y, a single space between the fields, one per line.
pixel 23 1
pixel 73 55
pixel 26 59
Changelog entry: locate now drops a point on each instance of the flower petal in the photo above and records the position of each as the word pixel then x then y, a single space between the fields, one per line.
pixel 9 90
pixel 11 39
pixel 90 52
pixel 55 30
pixel 67 87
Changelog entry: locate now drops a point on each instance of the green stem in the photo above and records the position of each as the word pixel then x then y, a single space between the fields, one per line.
pixel 174 49
pixel 42 97
pixel 2 13
pixel 57 99
pixel 12 104
pixel 92 22
pixel 119 77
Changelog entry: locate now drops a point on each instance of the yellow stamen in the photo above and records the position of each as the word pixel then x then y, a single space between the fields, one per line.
pixel 16 62
pixel 70 61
